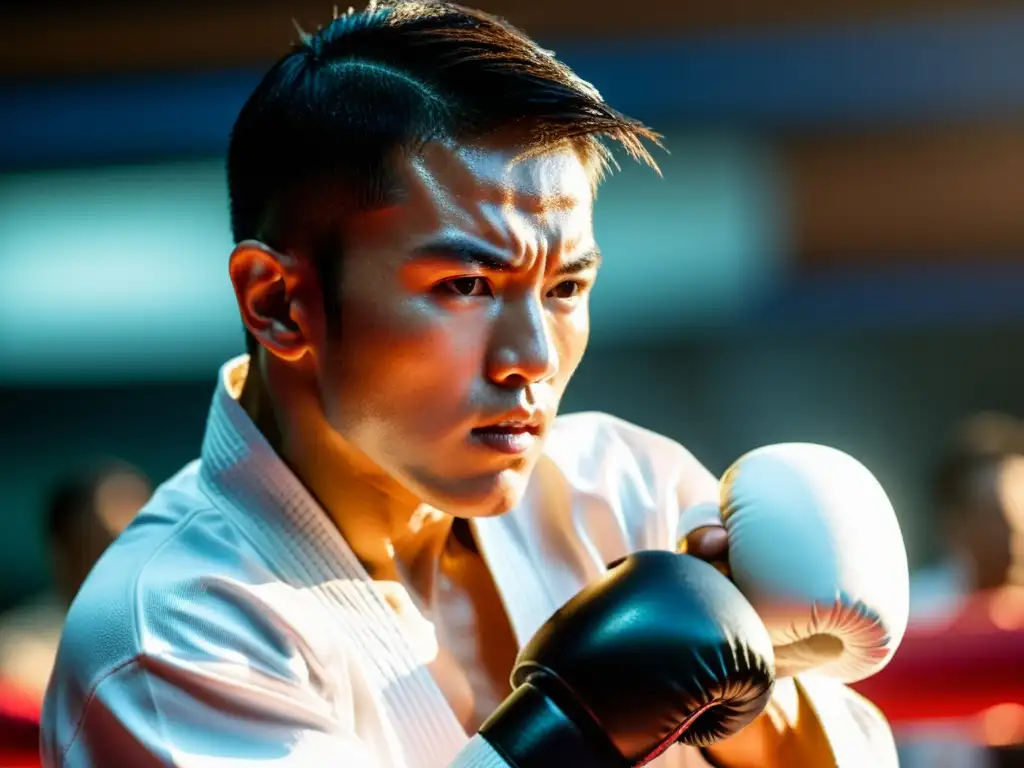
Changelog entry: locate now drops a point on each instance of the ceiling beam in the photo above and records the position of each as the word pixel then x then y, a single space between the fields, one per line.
pixel 967 70
pixel 908 197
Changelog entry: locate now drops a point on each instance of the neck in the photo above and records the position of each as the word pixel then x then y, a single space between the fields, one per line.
pixel 394 535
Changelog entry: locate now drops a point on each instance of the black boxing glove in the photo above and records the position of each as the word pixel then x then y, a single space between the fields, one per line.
pixel 662 649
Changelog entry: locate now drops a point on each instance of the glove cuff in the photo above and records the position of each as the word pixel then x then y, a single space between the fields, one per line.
pixel 529 730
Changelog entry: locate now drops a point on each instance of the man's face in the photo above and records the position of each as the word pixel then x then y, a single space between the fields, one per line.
pixel 463 315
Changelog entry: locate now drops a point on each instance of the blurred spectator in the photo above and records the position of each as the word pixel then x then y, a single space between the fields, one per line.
pixel 978 495
pixel 85 513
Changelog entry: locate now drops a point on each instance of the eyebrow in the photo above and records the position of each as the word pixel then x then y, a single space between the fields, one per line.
pixel 588 260
pixel 460 251
pixel 473 254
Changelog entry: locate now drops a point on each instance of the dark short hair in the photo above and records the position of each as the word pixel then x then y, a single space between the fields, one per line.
pixel 314 140
pixel 980 442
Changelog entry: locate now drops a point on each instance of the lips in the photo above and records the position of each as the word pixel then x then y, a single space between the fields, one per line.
pixel 511 426
pixel 509 436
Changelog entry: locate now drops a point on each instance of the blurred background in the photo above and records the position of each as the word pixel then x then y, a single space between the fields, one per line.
pixel 834 254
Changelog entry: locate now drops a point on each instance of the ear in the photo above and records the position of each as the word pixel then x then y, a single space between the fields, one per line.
pixel 278 298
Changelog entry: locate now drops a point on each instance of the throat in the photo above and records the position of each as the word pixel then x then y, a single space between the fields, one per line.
pixel 462 535
pixel 477 646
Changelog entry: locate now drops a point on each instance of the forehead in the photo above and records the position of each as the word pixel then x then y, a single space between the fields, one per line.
pixel 529 207
pixel 476 183
pixel 539 180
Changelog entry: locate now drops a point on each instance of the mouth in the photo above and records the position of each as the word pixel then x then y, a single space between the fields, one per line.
pixel 510 436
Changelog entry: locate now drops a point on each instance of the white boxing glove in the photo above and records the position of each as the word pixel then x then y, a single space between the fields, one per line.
pixel 815 547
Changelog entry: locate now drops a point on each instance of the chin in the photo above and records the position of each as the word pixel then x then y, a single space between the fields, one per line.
pixel 487 496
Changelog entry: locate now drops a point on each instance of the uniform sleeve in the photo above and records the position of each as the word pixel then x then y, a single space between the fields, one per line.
pixel 684 489
pixel 153 714
pixel 856 729
pixel 190 671
pixel 214 677
pixel 658 490
pixel 478 754
pixel 165 712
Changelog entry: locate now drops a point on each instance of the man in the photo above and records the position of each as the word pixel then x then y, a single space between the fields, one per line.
pixel 386 508
pixel 978 494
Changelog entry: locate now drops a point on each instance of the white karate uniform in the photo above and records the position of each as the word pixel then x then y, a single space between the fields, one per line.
pixel 230 625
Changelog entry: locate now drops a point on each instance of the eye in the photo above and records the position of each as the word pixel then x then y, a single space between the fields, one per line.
pixel 466 286
pixel 567 289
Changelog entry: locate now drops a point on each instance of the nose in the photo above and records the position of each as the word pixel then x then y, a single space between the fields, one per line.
pixel 522 350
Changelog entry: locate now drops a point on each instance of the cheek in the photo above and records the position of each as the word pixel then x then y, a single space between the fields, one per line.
pixel 572 334
pixel 405 366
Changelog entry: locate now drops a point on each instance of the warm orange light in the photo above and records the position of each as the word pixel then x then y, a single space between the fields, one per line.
pixel 1002 725
pixel 1006 609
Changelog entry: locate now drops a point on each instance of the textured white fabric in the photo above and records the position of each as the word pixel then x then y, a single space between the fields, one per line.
pixel 478 754
pixel 231 626
pixel 850 725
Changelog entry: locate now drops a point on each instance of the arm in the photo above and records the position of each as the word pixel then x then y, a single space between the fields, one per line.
pixel 812 721
pixel 212 672
pixel 151 712
pixel 169 712
pixel 819 724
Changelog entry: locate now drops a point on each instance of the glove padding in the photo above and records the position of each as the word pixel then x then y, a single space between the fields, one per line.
pixel 662 649
pixel 815 546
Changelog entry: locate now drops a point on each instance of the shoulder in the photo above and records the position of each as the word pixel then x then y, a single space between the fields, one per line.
pixel 187 632
pixel 622 486
pixel 589 442
pixel 588 434
pixel 102 628
pixel 598 423
pixel 182 585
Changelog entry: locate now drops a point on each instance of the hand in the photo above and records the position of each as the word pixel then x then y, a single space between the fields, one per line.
pixel 709 543
pixel 584 695
pixel 815 546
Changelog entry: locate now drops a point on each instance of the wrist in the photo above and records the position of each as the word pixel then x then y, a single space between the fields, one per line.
pixel 530 730
pixel 753 747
